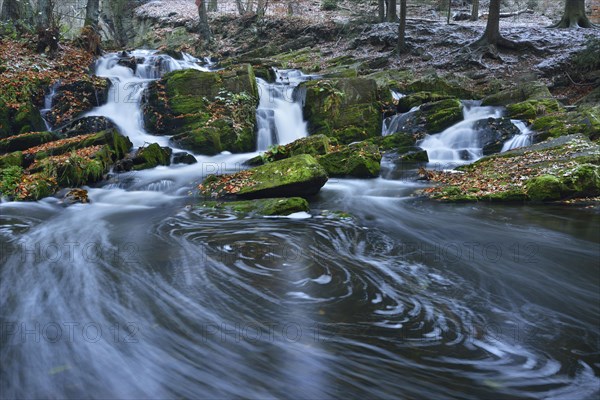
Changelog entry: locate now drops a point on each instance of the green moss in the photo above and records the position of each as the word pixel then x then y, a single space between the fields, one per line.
pixel 75 170
pixel 26 141
pixel 361 160
pixel 9 180
pixel 524 91
pixel 451 85
pixel 416 99
pixel 399 141
pixel 531 109
pixel 300 175
pixel 12 159
pixel 441 114
pixel 582 181
pixel 266 207
pixel 151 156
pixel 544 188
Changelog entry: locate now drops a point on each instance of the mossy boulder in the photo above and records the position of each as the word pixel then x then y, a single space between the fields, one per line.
pixel 416 99
pixel 300 176
pixel 359 160
pixel 208 112
pixel 399 142
pixel 25 118
pixel 262 207
pixel 25 141
pixel 151 156
pixel 530 109
pixel 524 91
pixel 493 132
pixel 85 125
pixel 314 145
pixel 348 110
pixel 582 181
pixel 451 85
pixel 584 120
pixel 545 188
pixel 12 159
pixel 440 115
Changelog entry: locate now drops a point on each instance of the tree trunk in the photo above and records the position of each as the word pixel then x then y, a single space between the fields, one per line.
pixel 92 13
pixel 203 26
pixel 261 7
pixel 392 15
pixel 44 17
pixel 449 11
pixel 240 7
pixel 381 9
pixel 475 10
pixel 213 5
pixel 574 16
pixel 250 6
pixel 492 29
pixel 16 10
pixel 402 28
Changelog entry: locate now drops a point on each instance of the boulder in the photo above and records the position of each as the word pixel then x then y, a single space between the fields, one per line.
pixel 525 91
pixel 207 112
pixel 300 176
pixel 74 98
pixel 25 118
pixel 314 145
pixel 263 207
pixel 530 109
pixel 25 141
pixel 182 157
pixel 144 158
pixel 85 125
pixel 346 109
pixel 440 115
pixel 359 160
pixel 493 132
pixel 406 103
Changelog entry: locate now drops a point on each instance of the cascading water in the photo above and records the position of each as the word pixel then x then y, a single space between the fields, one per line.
pixel 48 104
pixel 141 294
pixel 394 123
pixel 522 140
pixel 459 144
pixel 123 106
pixel 279 117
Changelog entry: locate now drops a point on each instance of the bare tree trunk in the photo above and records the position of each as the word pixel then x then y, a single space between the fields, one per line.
pixel 203 26
pixel 213 5
pixel 15 10
pixel 250 6
pixel 449 11
pixel 574 15
pixel 92 13
pixel 261 7
pixel 44 17
pixel 402 28
pixel 240 7
pixel 475 10
pixel 392 15
pixel 492 29
pixel 381 9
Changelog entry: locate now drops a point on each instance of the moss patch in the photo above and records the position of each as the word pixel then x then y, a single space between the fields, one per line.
pixel 265 207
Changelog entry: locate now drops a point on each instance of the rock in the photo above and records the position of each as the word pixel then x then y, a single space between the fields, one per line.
pixel 360 160
pixel 585 120
pixel 582 181
pixel 449 85
pixel 345 109
pixel 76 196
pixel 544 188
pixel 461 16
pixel 314 145
pixel 25 141
pixel 416 99
pixel 128 62
pixel 75 98
pixel 530 109
pixel 399 142
pixel 12 159
pixel 182 157
pixel 208 112
pixel 26 118
pixel 493 132
pixel 440 115
pixel 144 158
pixel 525 91
pixel 414 156
pixel 300 176
pixel 85 125
pixel 265 207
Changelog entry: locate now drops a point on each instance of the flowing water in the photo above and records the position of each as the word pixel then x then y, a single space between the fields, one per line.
pixel 524 139
pixel 141 295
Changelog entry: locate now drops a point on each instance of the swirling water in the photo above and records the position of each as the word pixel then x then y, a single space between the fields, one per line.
pixel 142 295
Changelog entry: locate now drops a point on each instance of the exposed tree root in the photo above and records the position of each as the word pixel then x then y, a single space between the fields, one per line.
pixel 475 52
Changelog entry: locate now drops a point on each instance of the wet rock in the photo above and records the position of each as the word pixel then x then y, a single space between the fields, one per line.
pixel 75 98
pixel 182 157
pixel 296 176
pixel 85 125
pixel 26 118
pixel 262 207
pixel 417 155
pixel 440 115
pixel 407 102
pixel 345 109
pixel 207 112
pixel 128 62
pixel 314 145
pixel 360 160
pixel 145 158
pixel 25 141
pixel 493 132
pixel 75 196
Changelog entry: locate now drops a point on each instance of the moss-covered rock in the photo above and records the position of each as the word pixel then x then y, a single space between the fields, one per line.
pixel 584 120
pixel 530 109
pixel 300 176
pixel 416 99
pixel 314 145
pixel 348 110
pixel 263 207
pixel 12 159
pixel 19 119
pixel 399 142
pixel 208 112
pixel 25 141
pixel 450 85
pixel 582 181
pixel 442 114
pixel 545 188
pixel 524 91
pixel 151 156
pixel 360 160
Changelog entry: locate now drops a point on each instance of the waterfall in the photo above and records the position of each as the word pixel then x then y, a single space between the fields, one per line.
pixel 48 104
pixel 279 117
pixel 460 144
pixel 123 106
pixel 522 140
pixel 394 123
